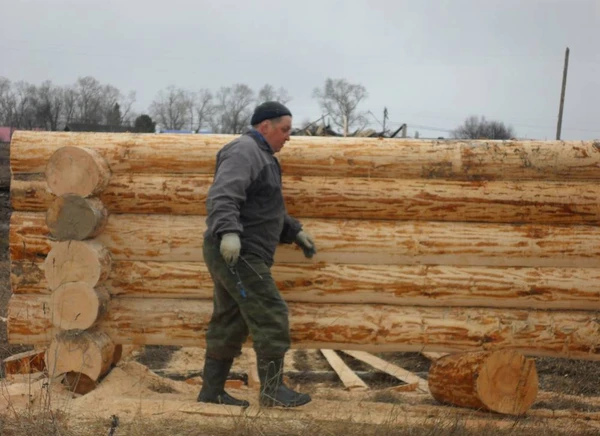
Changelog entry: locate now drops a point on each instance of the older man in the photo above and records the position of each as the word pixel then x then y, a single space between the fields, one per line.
pixel 246 221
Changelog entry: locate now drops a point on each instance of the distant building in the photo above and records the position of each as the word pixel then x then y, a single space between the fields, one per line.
pixel 6 133
pixel 84 127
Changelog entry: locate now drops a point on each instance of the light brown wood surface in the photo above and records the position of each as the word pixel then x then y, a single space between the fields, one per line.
pixel 86 352
pixel 71 261
pixel 407 285
pixel 327 156
pixel 570 334
pixel 76 170
pixel 77 305
pixel 502 381
pixel 357 198
pixel 177 238
pixel 351 381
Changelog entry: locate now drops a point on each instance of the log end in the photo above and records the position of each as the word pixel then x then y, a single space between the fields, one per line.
pixel 77 170
pixel 85 352
pixel 77 261
pixel 508 383
pixel 72 217
pixel 77 306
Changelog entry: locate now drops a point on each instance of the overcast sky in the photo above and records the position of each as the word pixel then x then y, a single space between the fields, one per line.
pixel 431 62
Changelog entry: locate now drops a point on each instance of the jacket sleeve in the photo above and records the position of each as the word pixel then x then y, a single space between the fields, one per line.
pixel 228 193
pixel 291 227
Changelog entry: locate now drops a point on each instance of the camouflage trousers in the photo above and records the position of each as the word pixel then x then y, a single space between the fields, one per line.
pixel 246 300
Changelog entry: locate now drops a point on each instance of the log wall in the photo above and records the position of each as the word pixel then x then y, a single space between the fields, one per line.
pixel 422 245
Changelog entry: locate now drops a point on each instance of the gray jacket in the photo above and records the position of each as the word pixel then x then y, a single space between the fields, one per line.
pixel 246 198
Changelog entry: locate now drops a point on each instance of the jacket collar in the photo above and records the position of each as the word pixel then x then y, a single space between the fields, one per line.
pixel 260 140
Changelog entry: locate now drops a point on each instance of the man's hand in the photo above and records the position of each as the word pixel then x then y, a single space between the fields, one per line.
pixel 230 248
pixel 305 241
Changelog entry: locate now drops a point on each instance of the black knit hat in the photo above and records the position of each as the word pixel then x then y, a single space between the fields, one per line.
pixel 268 111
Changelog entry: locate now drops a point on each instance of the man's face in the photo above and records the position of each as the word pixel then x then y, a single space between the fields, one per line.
pixel 277 132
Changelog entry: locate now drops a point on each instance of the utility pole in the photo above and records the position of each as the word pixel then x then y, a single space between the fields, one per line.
pixel 562 95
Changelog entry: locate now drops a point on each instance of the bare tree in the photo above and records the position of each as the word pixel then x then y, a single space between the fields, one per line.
pixel 7 102
pixel 233 109
pixel 474 128
pixel 50 105
pixel 172 108
pixel 268 93
pixel 89 105
pixel 340 99
pixel 203 108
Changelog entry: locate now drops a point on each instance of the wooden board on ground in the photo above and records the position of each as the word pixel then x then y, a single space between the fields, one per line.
pixel 350 380
pixel 390 368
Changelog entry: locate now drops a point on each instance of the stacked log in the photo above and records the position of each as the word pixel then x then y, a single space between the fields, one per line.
pixel 76 266
pixel 440 246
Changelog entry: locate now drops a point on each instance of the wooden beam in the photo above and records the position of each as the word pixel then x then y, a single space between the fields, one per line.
pixel 351 381
pixel 406 285
pixel 326 156
pixel 379 328
pixel 354 198
pixel 389 368
pixel 179 238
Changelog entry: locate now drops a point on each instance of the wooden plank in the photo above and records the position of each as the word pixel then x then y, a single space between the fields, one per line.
pixel 390 368
pixel 354 198
pixel 433 356
pixel 327 156
pixel 350 380
pixel 378 328
pixel 180 238
pixel 253 379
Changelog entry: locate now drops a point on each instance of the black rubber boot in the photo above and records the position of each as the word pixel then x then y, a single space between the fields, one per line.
pixel 213 383
pixel 273 392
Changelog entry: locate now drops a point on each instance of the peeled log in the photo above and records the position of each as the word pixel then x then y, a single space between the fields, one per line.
pixel 327 156
pixel 410 285
pixel 176 238
pixel 89 353
pixel 88 262
pixel 356 198
pixel 77 170
pixel 72 217
pixel 375 328
pixel 77 305
pixel 502 381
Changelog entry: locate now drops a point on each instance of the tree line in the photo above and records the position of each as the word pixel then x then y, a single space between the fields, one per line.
pixel 225 110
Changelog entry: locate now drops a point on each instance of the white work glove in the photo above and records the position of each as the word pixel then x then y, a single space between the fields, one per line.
pixel 230 248
pixel 305 241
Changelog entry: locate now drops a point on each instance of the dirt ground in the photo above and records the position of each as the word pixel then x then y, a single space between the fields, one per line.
pixel 564 384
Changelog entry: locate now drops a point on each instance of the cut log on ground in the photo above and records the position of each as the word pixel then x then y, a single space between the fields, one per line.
pixel 74 261
pixel 27 362
pixel 85 352
pixel 502 381
pixel 321 156
pixel 389 368
pixel 406 285
pixel 77 306
pixel 177 238
pixel 351 381
pixel 355 198
pixel 72 217
pixel 379 328
pixel 77 170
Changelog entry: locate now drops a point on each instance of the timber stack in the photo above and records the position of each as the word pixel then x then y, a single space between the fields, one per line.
pixel 440 246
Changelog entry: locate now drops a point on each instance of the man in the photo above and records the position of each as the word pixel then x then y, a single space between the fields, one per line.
pixel 246 220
